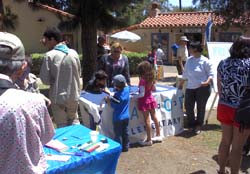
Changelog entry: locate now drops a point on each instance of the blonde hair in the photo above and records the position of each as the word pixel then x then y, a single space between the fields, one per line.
pixel 116 45
pixel 146 72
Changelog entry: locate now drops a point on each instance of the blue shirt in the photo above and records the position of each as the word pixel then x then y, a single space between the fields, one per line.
pixel 197 70
pixel 121 110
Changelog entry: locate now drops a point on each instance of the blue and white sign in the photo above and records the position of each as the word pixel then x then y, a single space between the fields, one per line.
pixel 218 51
pixel 169 114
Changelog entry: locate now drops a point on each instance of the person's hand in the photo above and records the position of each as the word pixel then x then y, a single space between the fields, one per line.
pixel 47 100
pixel 107 99
pixel 204 84
pixel 106 90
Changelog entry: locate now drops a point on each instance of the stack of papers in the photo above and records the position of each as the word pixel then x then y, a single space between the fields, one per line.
pixel 57 145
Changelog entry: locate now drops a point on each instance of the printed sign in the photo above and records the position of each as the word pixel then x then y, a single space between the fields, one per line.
pixel 217 51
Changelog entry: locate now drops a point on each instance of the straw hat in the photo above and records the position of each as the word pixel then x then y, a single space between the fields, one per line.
pixel 184 38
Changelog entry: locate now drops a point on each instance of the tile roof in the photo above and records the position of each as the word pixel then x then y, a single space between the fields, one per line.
pixel 177 19
pixel 54 10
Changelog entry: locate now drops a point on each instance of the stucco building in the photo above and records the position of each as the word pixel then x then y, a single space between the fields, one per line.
pixel 166 29
pixel 34 19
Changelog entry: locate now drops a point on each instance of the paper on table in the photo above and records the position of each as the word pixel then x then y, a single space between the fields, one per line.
pixel 57 145
pixel 57 157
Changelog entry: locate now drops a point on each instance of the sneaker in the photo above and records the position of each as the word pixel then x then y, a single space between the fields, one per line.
pixel 124 149
pixel 157 139
pixel 146 143
pixel 197 130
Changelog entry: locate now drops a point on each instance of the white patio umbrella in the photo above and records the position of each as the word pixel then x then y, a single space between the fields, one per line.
pixel 126 35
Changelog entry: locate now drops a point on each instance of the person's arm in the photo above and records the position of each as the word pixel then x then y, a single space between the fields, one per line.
pixel 45 70
pixel 101 63
pixel 179 59
pixel 141 93
pixel 79 66
pixel 126 72
pixel 154 87
pixel 181 84
pixel 209 70
pixel 207 82
pixel 46 128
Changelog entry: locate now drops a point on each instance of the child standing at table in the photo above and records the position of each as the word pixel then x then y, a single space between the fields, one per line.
pixel 146 101
pixel 120 103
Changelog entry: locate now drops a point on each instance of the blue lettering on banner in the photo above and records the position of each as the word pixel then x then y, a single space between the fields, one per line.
pixel 134 113
pixel 167 104
pixel 162 123
pixel 136 130
pixel 170 122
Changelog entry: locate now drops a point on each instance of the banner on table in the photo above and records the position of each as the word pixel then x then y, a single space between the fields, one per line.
pixel 169 114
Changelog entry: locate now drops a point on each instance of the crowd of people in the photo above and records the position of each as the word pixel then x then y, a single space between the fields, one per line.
pixel 25 123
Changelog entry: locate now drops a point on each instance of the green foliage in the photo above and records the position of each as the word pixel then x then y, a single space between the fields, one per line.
pixel 37 62
pixel 9 19
pixel 233 12
pixel 134 60
pixel 205 53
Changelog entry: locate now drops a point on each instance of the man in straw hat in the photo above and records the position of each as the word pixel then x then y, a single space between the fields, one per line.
pixel 182 54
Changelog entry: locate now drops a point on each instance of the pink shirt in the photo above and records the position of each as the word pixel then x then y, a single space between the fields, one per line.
pixel 25 126
pixel 147 101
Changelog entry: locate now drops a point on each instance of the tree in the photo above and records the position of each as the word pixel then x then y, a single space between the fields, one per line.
pixel 228 12
pixel 233 12
pixel 92 15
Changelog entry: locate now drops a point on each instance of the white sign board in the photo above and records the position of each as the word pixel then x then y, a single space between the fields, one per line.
pixel 217 51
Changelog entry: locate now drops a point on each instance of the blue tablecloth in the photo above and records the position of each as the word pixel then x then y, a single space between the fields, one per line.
pixel 103 162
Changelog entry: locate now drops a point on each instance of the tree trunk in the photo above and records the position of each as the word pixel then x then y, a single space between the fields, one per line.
pixel 89 41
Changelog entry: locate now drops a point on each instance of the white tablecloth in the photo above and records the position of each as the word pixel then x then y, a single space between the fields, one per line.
pixel 169 113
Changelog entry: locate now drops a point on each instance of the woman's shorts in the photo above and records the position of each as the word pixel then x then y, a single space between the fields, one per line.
pixel 225 114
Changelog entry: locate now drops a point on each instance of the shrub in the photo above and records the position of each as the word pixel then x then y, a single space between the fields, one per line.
pixel 134 60
pixel 37 62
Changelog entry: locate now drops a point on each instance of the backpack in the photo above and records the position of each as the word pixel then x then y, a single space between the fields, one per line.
pixel 4 85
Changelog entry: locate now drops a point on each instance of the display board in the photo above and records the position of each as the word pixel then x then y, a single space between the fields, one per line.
pixel 217 51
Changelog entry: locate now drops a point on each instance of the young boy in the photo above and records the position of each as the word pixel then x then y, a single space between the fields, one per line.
pixel 121 111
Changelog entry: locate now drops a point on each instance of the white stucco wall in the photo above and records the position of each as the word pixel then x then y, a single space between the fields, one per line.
pixel 30 30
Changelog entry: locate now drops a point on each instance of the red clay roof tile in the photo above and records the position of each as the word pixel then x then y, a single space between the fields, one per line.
pixel 177 19
pixel 60 12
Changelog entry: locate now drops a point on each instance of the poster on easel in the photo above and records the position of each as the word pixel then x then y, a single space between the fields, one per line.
pixel 217 51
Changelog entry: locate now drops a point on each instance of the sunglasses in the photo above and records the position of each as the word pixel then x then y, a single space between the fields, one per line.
pixel 116 52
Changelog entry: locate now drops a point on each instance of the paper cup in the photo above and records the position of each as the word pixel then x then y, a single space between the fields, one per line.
pixel 93 136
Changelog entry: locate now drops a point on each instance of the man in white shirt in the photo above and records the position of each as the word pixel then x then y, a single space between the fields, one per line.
pixel 182 54
pixel 159 55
